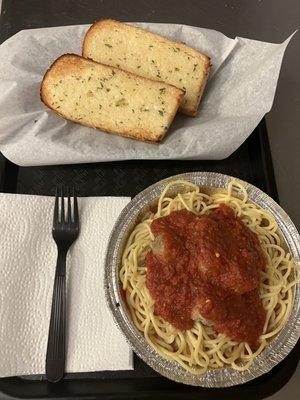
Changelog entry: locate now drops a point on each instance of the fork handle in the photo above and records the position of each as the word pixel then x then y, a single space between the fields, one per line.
pixel 55 358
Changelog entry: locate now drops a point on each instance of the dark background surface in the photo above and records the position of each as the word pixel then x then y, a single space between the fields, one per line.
pixel 270 20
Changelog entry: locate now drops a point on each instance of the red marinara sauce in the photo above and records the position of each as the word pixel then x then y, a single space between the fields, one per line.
pixel 207 267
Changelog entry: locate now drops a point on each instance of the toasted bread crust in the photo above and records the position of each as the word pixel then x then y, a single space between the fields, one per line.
pixel 199 86
pixel 68 63
pixel 192 112
pixel 111 22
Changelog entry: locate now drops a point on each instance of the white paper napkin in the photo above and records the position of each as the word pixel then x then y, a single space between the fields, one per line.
pixel 27 267
pixel 240 91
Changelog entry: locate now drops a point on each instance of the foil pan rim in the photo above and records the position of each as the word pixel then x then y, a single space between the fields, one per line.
pixel 277 350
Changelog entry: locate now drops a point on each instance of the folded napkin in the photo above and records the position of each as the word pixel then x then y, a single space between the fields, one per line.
pixel 27 267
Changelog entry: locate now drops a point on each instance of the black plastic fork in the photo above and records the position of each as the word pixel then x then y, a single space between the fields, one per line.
pixel 65 231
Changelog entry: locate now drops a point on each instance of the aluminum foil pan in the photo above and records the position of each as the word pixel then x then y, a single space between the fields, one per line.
pixel 277 350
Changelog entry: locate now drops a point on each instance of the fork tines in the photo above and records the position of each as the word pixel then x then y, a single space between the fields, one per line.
pixel 60 215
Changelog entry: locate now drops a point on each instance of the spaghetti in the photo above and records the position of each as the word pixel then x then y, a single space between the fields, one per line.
pixel 201 348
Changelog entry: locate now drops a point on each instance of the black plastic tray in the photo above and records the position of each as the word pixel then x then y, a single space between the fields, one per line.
pixel 251 162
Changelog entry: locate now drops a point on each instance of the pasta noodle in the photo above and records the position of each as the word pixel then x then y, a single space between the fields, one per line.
pixel 201 348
